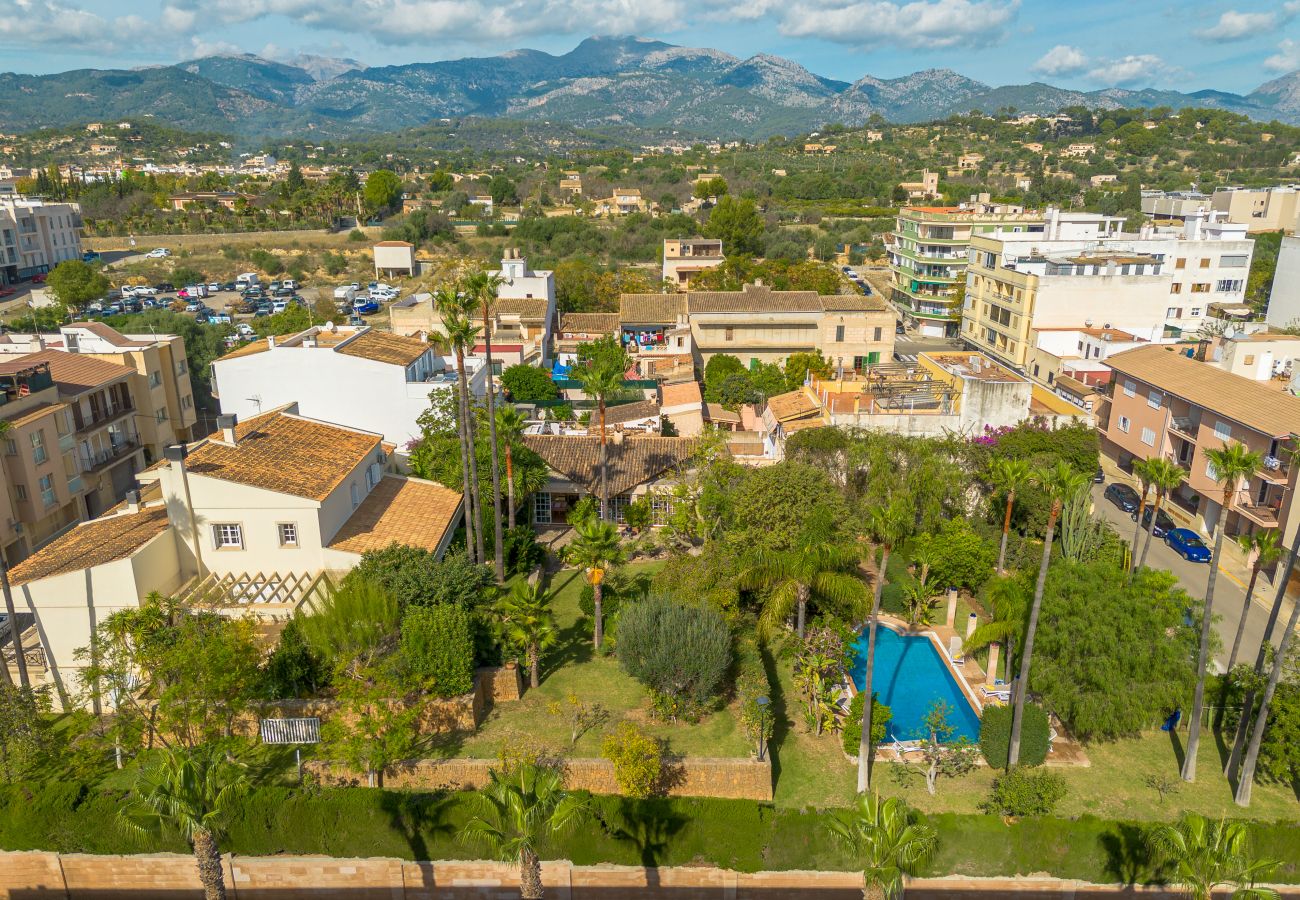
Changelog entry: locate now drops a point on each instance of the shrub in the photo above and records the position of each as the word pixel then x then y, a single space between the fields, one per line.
pixel 707 577
pixel 438 647
pixel 357 235
pixel 638 760
pixel 995 735
pixel 527 384
pixel 852 733
pixel 349 627
pixel 292 670
pixel 751 684
pixel 1025 792
pixel 418 578
pixel 637 514
pixel 619 588
pixel 267 261
pixel 680 652
pixel 522 552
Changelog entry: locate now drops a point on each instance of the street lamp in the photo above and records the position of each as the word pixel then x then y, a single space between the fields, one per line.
pixel 763 703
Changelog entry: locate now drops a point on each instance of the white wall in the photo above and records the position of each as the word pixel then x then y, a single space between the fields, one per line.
pixel 1284 303
pixel 1132 303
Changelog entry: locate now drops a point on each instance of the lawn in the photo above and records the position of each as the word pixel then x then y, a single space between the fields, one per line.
pixel 572 668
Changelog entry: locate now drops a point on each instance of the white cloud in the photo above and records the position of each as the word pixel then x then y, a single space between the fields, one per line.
pixel 934 24
pixel 1286 59
pixel 49 22
pixel 1062 60
pixel 199 48
pixel 1129 71
pixel 1237 26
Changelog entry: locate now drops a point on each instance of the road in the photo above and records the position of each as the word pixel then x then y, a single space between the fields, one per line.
pixel 1229 592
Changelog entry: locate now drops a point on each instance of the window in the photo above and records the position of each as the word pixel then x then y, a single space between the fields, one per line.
pixel 187 401
pixel 1035 370
pixel 1205 263
pixel 877 334
pixel 155 379
pixel 1236 261
pixel 160 416
pixel 542 508
pixel 11 447
pixel 47 490
pixel 1222 430
pixel 20 490
pixel 1124 424
pixel 1180 264
pixel 1211 472
pixel 1196 311
pixel 1149 437
pixel 839 332
pixel 1175 288
pixel 1249 360
pixel 288 533
pixel 182 367
pixel 228 537
pixel 661 508
pixel 39 455
pixel 1201 287
pixel 1228 285
pixel 1130 388
pixel 355 494
pixel 1153 399
pixel 729 334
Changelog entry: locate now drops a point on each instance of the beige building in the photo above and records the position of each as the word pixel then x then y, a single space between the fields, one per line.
pixel 925 189
pixel 36 236
pixel 1259 209
pixel 394 258
pixel 684 259
pixel 571 184
pixel 624 201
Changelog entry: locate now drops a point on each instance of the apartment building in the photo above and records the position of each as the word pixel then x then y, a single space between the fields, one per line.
pixel 1259 209
pixel 1082 272
pixel 1165 403
pixel 228 522
pixel 36 236
pixel 684 259
pixel 1284 300
pixel 1173 206
pixel 758 325
pixel 358 377
pixel 928 252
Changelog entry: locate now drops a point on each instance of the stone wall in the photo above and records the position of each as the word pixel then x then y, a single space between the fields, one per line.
pixel 728 778
pixel 42 876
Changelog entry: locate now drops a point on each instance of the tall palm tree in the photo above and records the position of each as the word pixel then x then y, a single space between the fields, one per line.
pixel 1061 483
pixel 596 549
pixel 1142 469
pixel 460 334
pixel 888 841
pixel 1209 856
pixel 1232 463
pixel 1008 475
pixel 528 623
pixel 1247 781
pixel 1165 477
pixel 1006 603
pixel 192 792
pixel 887 526
pixel 815 567
pixel 10 610
pixel 1266 544
pixel 482 289
pixel 517 810
pixel 510 424
pixel 601 377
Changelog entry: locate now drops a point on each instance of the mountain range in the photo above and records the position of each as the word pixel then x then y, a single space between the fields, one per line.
pixel 603 82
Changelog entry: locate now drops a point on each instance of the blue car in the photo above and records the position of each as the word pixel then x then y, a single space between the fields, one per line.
pixel 366 309
pixel 1187 544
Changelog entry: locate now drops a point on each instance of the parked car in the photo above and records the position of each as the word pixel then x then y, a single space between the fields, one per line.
pixel 1187 544
pixel 133 306
pixel 282 292
pixel 345 293
pixel 39 278
pixel 219 318
pixel 230 286
pixel 1122 496
pixel 261 313
pixel 279 306
pixel 165 287
pixel 244 330
pixel 159 253
pixel 290 284
pixel 214 286
pixel 194 306
pixel 367 308
pixel 899 328
pixel 356 320
pixel 90 256
pixel 273 286
pixel 1098 476
pixel 1164 522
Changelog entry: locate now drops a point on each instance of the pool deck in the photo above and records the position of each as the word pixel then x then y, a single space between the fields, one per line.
pixel 1065 750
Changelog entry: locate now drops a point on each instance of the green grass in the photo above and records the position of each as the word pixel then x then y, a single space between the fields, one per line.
pixel 571 667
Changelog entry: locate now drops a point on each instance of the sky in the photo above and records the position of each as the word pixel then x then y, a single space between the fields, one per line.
pixel 1191 45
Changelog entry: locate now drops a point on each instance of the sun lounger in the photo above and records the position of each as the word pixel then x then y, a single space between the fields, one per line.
pixel 955 652
pixel 901 747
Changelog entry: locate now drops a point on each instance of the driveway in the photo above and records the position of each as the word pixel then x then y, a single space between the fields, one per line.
pixel 1229 591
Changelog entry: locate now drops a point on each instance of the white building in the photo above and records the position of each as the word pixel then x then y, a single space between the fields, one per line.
pixel 1284 301
pixel 36 236
pixel 394 258
pixel 357 377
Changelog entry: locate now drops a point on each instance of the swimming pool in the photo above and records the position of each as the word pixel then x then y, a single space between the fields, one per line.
pixel 909 676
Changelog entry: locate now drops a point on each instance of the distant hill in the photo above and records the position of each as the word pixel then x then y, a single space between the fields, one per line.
pixel 601 82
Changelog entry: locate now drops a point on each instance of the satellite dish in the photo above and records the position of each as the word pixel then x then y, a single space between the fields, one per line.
pixel 1230 332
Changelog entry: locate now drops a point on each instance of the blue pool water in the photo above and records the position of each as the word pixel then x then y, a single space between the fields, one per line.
pixel 909 676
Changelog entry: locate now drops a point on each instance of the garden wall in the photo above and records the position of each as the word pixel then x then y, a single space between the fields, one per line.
pixel 29 876
pixel 692 776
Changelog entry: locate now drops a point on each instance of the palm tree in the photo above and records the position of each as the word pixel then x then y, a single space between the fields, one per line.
pixel 1165 477
pixel 887 526
pixel 887 840
pixel 460 334
pixel 482 289
pixel 814 568
pixel 1142 469
pixel 528 623
pixel 518 809
pixel 1061 483
pixel 510 424
pixel 1267 547
pixel 1209 856
pixel 596 549
pixel 1247 781
pixel 601 377
pixel 1231 464
pixel 193 793
pixel 1008 475
pixel 1006 602
pixel 10 610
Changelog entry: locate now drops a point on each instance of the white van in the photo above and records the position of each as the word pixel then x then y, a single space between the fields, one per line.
pixel 346 293
pixel 247 280
pixel 289 284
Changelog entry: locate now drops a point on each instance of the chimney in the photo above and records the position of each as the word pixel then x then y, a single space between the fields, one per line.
pixel 175 454
pixel 227 425
pixel 133 501
pixel 616 436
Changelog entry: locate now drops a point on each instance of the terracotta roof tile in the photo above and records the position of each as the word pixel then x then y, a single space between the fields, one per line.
pixel 588 323
pixel 94 543
pixel 74 373
pixel 384 347
pixel 112 335
pixel 407 511
pixel 635 460
pixel 1261 408
pixel 754 298
pixel 683 394
pixel 285 453
pixel 629 412
pixel 716 412
pixel 35 413
pixel 524 307
pixel 393 244
pixel 257 345
pixel 651 309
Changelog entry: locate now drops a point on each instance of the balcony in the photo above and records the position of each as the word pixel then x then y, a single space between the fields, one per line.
pixel 100 416
pixel 1185 427
pixel 1276 469
pixel 1260 514
pixel 93 462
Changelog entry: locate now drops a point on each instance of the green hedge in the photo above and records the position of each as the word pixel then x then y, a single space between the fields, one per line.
pixel 737 834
